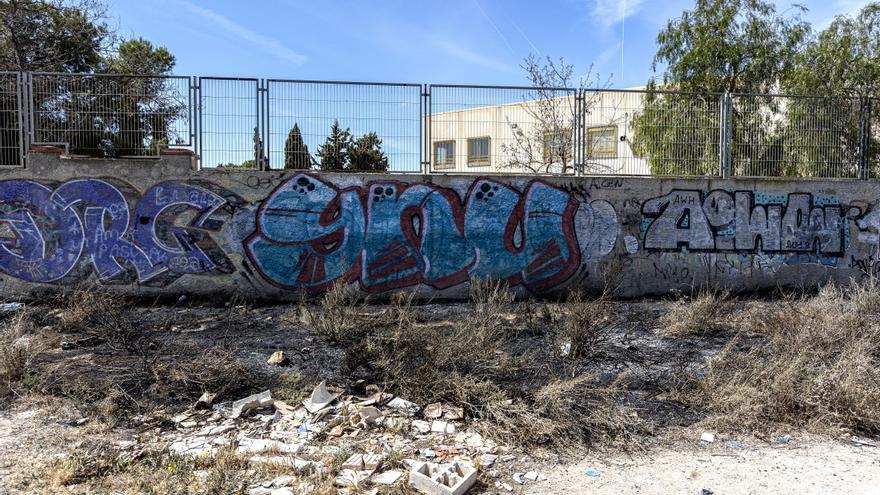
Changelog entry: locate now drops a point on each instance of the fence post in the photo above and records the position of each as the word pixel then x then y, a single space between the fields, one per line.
pixel 725 133
pixel 197 91
pixel 22 120
pixel 264 99
pixel 865 138
pixel 579 119
pixel 424 129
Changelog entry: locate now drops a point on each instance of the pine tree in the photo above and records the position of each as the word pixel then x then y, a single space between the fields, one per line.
pixel 259 151
pixel 366 154
pixel 296 153
pixel 333 154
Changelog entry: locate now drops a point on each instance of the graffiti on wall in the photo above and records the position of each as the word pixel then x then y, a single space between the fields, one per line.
pixel 390 234
pixel 309 233
pixel 53 234
pixel 747 222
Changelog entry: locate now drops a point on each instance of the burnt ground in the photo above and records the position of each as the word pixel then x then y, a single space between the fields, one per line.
pixel 650 364
pixel 130 369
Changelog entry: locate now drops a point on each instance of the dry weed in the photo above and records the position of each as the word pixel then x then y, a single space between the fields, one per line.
pixel 818 366
pixel 581 324
pixel 17 351
pixel 97 313
pixel 189 372
pixel 98 468
pixel 564 412
pixel 705 313
pixel 340 315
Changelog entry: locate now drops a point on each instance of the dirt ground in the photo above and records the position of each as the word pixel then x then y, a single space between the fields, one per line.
pixel 97 398
pixel 807 466
pixel 33 434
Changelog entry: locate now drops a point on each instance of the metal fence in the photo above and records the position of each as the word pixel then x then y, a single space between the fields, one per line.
pixel 109 115
pixel 11 128
pixel 271 124
pixel 383 116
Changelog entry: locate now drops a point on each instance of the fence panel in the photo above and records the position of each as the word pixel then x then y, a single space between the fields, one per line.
pixel 11 123
pixel 111 115
pixel 632 132
pixel 520 130
pixel 871 139
pixel 229 127
pixel 795 136
pixel 383 122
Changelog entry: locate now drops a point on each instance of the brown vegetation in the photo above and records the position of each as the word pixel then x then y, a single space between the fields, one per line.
pixel 706 312
pixel 816 365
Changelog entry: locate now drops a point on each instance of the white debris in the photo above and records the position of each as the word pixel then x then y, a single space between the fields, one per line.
pixel 406 406
pixel 320 398
pixel 386 478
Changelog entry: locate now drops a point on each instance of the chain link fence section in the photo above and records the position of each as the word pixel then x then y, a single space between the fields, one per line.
pixel 344 126
pixel 510 130
pixel 795 136
pixel 229 123
pixel 11 123
pixel 410 128
pixel 110 115
pixel 663 133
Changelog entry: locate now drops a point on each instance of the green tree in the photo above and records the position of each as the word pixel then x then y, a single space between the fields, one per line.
pixel 366 154
pixel 53 35
pixel 129 115
pixel 333 154
pixel 842 63
pixel 719 46
pixel 45 35
pixel 95 115
pixel 296 153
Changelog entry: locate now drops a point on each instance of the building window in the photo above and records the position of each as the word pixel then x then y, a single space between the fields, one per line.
pixel 444 154
pixel 602 142
pixel 558 146
pixel 478 151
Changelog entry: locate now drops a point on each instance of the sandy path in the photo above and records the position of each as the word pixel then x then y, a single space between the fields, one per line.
pixel 811 466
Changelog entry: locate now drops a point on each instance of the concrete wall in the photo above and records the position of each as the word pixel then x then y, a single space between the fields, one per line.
pixel 159 227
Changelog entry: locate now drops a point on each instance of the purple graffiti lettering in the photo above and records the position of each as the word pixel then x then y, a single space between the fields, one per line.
pixel 167 244
pixel 45 234
pixel 46 240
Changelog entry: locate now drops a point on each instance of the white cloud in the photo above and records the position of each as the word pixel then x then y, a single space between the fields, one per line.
pixel 611 12
pixel 464 53
pixel 265 43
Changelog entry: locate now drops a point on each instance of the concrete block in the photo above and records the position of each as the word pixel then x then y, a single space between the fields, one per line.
pixel 443 479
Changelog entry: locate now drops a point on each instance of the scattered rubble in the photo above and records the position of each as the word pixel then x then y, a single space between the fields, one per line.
pixel 278 358
pixel 384 440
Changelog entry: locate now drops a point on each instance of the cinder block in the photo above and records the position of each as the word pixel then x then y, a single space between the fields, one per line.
pixel 442 479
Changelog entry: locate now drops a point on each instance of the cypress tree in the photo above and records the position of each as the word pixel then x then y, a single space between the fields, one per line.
pixel 296 153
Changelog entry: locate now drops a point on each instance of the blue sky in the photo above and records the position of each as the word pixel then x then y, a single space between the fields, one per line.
pixel 451 41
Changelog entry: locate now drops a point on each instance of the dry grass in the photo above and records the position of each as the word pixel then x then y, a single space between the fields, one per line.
pixel 95 312
pixel 190 371
pixel 581 325
pixel 705 313
pixel 341 314
pixel 97 468
pixel 817 366
pixel 17 351
pixel 565 412
pixel 471 362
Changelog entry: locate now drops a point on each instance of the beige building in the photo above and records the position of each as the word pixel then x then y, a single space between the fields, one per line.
pixel 537 136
